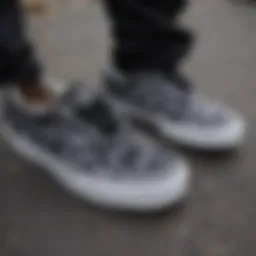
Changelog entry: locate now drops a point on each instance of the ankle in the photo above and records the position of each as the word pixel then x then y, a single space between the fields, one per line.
pixel 35 93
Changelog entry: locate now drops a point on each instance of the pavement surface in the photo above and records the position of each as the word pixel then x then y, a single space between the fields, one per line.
pixel 38 218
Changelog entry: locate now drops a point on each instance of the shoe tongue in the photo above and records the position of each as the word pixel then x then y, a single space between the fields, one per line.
pixel 175 79
pixel 79 94
pixel 161 92
pixel 90 107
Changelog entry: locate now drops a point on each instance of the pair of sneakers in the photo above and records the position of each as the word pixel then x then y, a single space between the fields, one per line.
pixel 87 143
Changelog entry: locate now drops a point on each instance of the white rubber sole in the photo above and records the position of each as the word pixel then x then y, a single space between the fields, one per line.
pixel 142 197
pixel 188 135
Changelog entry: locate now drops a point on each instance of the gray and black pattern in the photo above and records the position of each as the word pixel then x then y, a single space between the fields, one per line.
pixel 83 143
pixel 157 93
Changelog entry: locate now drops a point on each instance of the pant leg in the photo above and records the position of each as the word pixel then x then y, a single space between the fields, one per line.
pixel 17 61
pixel 146 34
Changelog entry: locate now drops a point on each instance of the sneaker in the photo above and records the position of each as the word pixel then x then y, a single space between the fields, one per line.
pixel 187 117
pixel 94 155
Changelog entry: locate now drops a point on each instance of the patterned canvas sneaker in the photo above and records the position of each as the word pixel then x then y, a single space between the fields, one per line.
pixel 178 112
pixel 94 155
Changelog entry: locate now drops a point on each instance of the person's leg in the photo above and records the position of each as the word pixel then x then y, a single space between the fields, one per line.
pixel 146 80
pixel 18 63
pixel 146 34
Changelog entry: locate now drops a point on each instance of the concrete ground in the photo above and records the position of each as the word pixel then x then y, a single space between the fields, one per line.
pixel 38 218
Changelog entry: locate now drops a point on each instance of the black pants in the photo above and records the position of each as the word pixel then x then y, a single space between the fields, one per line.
pixel 17 60
pixel 145 33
